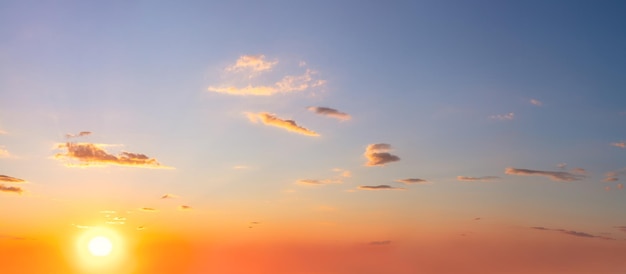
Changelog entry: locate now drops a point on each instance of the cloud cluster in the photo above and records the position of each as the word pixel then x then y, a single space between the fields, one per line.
pixel 377 155
pixel 330 112
pixel 571 232
pixel 89 154
pixel 272 120
pixel 10 189
pixel 380 187
pixel 477 179
pixel 503 117
pixel 410 181
pixel 80 134
pixel 560 176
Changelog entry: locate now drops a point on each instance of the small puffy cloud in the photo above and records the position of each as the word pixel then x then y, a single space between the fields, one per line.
pixel 9 179
pixel 255 63
pixel 572 233
pixel 11 189
pixel 169 196
pixel 536 102
pixel 410 181
pixel 560 176
pixel 184 207
pixel 619 144
pixel 477 179
pixel 503 117
pixel 377 155
pixel 380 187
pixel 387 242
pixel 88 154
pixel 271 120
pixel 80 134
pixel 148 209
pixel 330 112
pixel 317 182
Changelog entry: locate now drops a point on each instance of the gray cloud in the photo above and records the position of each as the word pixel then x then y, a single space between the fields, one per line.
pixel 377 155
pixel 330 112
pixel 380 187
pixel 409 181
pixel 317 182
pixel 571 232
pixel 272 120
pixel 477 179
pixel 560 176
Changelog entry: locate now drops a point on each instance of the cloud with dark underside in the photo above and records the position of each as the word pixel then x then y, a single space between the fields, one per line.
pixel 572 233
pixel 272 120
pixel 410 181
pixel 89 154
pixel 330 112
pixel 477 179
pixel 559 176
pixel 11 189
pixel 9 179
pixel 387 242
pixel 380 187
pixel 378 155
pixel 80 134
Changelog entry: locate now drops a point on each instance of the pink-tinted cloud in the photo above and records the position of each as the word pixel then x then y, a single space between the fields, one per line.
pixel 621 228
pixel 410 181
pixel 288 84
pixel 380 187
pixel 477 179
pixel 271 120
pixel 88 154
pixel 562 165
pixel 503 117
pixel 317 182
pixel 9 179
pixel 11 189
pixel 330 112
pixel 80 134
pixel 619 144
pixel 579 171
pixel 255 63
pixel 620 186
pixel 560 176
pixel 343 173
pixel 536 102
pixel 377 155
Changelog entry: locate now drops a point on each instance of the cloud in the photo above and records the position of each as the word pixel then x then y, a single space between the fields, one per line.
pixel 611 179
pixel 289 83
pixel 330 112
pixel 562 165
pixel 12 189
pixel 80 134
pixel 619 144
pixel 141 227
pixel 272 120
pixel 503 117
pixel 477 219
pixel 255 63
pixel 621 228
pixel 343 173
pixel 477 179
pixel 377 155
pixel 380 187
pixel 572 232
pixel 89 154
pixel 4 153
pixel 613 176
pixel 579 171
pixel 148 209
pixel 409 181
pixel 184 207
pixel 387 242
pixel 9 179
pixel 560 176
pixel 169 196
pixel 536 102
pixel 317 182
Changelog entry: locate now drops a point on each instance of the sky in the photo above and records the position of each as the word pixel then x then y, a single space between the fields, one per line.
pixel 310 137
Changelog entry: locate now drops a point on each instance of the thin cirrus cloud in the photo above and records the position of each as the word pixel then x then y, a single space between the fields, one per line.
pixel 380 187
pixel 387 242
pixel 619 144
pixel 343 173
pixel 503 117
pixel 621 228
pixel 89 154
pixel 377 155
pixel 410 181
pixel 9 179
pixel 148 209
pixel 571 232
pixel 477 179
pixel 80 134
pixel 272 120
pixel 330 112
pixel 317 182
pixel 559 176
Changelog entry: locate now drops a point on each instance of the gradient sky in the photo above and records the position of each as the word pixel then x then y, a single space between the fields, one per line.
pixel 314 136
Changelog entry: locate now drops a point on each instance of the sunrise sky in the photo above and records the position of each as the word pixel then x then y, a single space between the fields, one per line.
pixel 301 137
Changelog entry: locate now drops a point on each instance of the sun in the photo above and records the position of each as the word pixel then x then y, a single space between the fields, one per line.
pixel 100 246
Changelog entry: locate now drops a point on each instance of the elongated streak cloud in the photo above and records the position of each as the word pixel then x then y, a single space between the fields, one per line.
pixel 13 189
pixel 317 182
pixel 80 134
pixel 503 117
pixel 289 83
pixel 477 179
pixel 271 120
pixel 380 187
pixel 619 144
pixel 9 179
pixel 377 155
pixel 330 112
pixel 410 181
pixel 560 176
pixel 89 154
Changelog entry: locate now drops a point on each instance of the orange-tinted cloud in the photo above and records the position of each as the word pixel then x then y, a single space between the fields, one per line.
pixel 169 196
pixel 317 182
pixel 271 120
pixel 89 154
pixel 184 207
pixel 503 117
pixel 330 112
pixel 560 176
pixel 619 144
pixel 377 155
pixel 409 181
pixel 477 179
pixel 289 83
pixel 254 63
pixel 536 102
pixel 148 209
pixel 380 187
pixel 11 189
pixel 571 232
pixel 343 173
pixel 579 171
pixel 80 134
pixel 9 179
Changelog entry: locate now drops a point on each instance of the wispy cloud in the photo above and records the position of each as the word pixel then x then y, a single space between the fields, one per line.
pixel 377 155
pixel 561 165
pixel 169 196
pixel 184 207
pixel 11 189
pixel 317 182
pixel 255 63
pixel 380 187
pixel 536 102
pixel 560 176
pixel 271 120
pixel 613 176
pixel 148 209
pixel 88 154
pixel 572 233
pixel 620 186
pixel 619 144
pixel 579 171
pixel 343 173
pixel 330 112
pixel 503 117
pixel 9 179
pixel 80 134
pixel 387 242
pixel 239 167
pixel 2 132
pixel 410 181
pixel 478 179
pixel 621 228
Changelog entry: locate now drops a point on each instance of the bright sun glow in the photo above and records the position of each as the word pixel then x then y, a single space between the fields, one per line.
pixel 100 246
